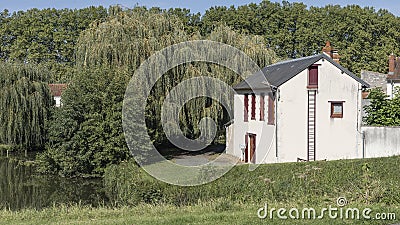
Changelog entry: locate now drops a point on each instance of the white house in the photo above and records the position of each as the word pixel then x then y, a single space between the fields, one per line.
pixel 387 82
pixel 57 90
pixel 311 112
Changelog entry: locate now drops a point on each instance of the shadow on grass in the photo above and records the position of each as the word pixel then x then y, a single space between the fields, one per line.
pixel 173 152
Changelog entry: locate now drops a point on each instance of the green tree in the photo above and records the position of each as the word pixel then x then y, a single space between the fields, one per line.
pixel 46 36
pixel 363 36
pixel 383 111
pixel 85 135
pixel 25 102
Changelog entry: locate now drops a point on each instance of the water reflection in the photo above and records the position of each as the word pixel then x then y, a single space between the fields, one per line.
pixel 21 188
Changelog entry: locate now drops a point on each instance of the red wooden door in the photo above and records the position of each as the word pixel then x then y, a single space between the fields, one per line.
pixel 252 148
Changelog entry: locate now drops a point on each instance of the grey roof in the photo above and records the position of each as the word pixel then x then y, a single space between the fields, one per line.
pixel 277 74
pixel 375 79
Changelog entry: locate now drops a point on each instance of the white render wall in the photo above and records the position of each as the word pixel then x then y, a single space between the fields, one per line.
pixel 265 150
pixel 381 141
pixel 57 99
pixel 391 88
pixel 336 138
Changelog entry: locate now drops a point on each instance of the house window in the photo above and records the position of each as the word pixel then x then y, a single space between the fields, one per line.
pixel 253 106
pixel 246 107
pixel 336 109
pixel 271 111
pixel 313 76
pixel 262 103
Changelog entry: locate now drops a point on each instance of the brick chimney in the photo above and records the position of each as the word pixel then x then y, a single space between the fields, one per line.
pixel 336 56
pixel 392 64
pixel 327 49
pixel 331 52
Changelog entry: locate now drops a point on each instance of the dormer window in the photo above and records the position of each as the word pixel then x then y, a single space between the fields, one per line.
pixel 313 76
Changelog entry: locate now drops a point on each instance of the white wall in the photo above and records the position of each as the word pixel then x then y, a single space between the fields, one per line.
pixel 57 99
pixel 292 119
pixel 265 150
pixel 381 141
pixel 229 139
pixel 336 138
pixel 391 88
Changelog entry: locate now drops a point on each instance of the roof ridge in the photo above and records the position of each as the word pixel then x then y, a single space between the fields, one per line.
pixel 293 60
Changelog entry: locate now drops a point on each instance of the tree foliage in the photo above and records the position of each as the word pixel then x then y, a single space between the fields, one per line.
pixel 25 101
pixel 364 36
pixel 125 41
pixel 46 36
pixel 86 134
pixel 383 111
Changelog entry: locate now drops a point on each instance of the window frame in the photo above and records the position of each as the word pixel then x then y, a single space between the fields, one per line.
pixel 337 115
pixel 311 68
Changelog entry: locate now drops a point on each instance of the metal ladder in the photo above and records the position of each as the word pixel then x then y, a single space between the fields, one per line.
pixel 311 135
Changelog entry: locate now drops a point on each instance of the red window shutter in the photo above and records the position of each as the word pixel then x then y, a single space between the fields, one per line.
pixel 246 153
pixel 253 106
pixel 246 107
pixel 271 111
pixel 313 76
pixel 262 103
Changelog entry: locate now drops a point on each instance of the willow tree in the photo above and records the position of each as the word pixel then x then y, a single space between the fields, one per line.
pixel 129 38
pixel 25 101
pixel 118 47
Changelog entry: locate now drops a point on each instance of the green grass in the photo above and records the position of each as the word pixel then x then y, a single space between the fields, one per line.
pixel 368 181
pixel 209 213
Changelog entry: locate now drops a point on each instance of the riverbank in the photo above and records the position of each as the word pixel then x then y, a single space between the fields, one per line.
pixel 137 198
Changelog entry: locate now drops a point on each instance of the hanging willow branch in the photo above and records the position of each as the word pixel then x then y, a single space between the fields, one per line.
pixel 24 102
pixel 130 37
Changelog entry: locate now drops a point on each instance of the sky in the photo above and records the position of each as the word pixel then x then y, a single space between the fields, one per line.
pixel 194 5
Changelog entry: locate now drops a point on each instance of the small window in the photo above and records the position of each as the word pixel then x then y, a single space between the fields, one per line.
pixel 313 76
pixel 336 109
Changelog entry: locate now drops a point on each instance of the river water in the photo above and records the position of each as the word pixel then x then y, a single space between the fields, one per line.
pixel 21 187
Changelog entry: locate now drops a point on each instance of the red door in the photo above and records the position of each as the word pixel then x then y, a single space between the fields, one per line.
pixel 252 148
pixel 250 141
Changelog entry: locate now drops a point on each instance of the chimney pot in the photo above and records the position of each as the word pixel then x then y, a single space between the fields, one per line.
pixel 327 49
pixel 331 52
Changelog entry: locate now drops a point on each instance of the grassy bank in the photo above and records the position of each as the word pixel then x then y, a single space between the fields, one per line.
pixel 368 181
pixel 235 198
pixel 208 213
